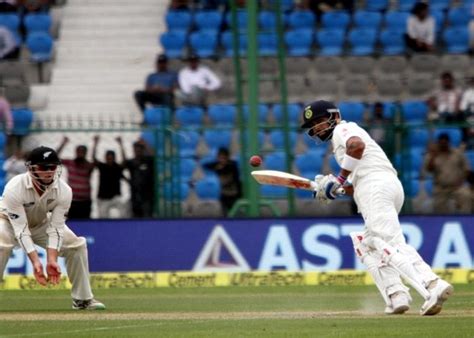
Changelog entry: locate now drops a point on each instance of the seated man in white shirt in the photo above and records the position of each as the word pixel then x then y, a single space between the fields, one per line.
pixel 421 28
pixel 195 81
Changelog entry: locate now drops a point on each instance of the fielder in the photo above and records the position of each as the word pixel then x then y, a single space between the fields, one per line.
pixel 33 210
pixel 379 196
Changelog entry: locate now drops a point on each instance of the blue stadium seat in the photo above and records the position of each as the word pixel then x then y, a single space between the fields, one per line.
pixel 286 5
pixel 155 116
pixel 186 167
pixel 376 5
pixel 406 5
pixel 173 43
pixel 352 111
pixel 301 19
pixel 178 20
pixel 216 139
pixel 273 191
pixel 396 20
pixel 456 40
pixel 416 159
pixel 37 22
pixel 3 141
pixel 467 4
pixel 439 18
pixel 310 162
pixel 367 19
pixel 277 139
pixel 208 188
pixel 439 5
pixel 412 188
pixel 40 45
pixel 311 144
pixel 174 190
pixel 241 20
pixel 226 41
pixel 262 112
pixel 267 44
pixel 222 114
pixel 189 116
pixel 389 109
pixel 428 186
pixel 293 109
pixel 362 41
pixel 330 41
pixel 267 21
pixel 22 119
pixel 418 138
pixel 10 21
pixel 336 20
pixel 208 20
pixel 275 161
pixel 299 42
pixel 455 135
pixel 470 158
pixel 414 111
pixel 154 139
pixel 459 17
pixel 187 141
pixel 260 137
pixel 393 41
pixel 204 42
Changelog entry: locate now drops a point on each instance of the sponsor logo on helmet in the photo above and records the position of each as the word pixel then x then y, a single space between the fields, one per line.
pixel 46 154
pixel 308 113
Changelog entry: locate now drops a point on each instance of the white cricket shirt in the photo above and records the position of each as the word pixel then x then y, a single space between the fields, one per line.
pixel 373 159
pixel 202 77
pixel 25 209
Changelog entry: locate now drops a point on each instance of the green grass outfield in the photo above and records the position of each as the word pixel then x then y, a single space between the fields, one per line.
pixel 307 311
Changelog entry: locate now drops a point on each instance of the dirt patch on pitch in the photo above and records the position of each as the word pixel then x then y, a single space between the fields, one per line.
pixel 102 316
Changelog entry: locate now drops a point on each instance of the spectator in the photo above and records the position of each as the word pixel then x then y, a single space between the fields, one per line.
pixel 195 81
pixel 142 178
pixel 450 169
pixel 445 101
pixel 79 178
pixel 467 108
pixel 176 5
pixel 8 6
pixel 228 172
pixel 319 7
pixel 110 176
pixel 420 36
pixel 9 49
pixel 159 86
pixel 15 165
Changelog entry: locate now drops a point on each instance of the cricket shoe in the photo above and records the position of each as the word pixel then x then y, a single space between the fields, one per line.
pixel 88 304
pixel 400 303
pixel 440 290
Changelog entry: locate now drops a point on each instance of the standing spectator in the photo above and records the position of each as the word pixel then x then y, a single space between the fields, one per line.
pixel 445 101
pixel 228 172
pixel 195 81
pixel 79 178
pixel 467 108
pixel 110 176
pixel 159 86
pixel 450 169
pixel 142 178
pixel 9 49
pixel 420 36
pixel 15 164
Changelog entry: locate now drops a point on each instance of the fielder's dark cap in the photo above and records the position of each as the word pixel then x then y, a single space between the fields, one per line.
pixel 316 110
pixel 162 58
pixel 43 155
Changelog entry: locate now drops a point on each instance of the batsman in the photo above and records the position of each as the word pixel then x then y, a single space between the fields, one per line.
pixel 368 175
pixel 33 210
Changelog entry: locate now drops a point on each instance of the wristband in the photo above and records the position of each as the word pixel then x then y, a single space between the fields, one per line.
pixel 349 163
pixel 341 179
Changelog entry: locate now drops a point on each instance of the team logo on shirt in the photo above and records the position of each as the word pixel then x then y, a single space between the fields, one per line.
pixel 29 204
pixel 13 216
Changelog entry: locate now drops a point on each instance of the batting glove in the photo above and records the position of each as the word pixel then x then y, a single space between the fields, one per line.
pixel 330 187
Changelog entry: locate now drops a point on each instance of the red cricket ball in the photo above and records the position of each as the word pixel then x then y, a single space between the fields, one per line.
pixel 255 161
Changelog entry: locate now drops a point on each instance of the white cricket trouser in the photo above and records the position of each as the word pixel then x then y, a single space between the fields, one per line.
pixel 379 198
pixel 105 205
pixel 73 249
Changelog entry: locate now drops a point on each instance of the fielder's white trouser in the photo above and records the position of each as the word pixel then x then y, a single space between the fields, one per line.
pixel 379 198
pixel 73 249
pixel 105 205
